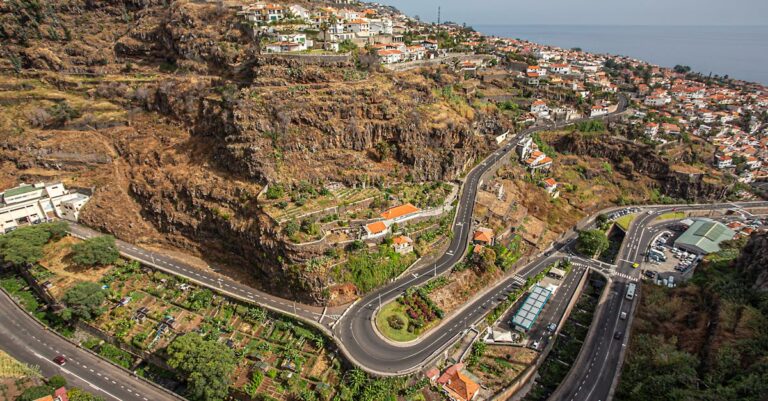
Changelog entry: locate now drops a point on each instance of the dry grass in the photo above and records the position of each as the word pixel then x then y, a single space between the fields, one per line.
pixel 56 260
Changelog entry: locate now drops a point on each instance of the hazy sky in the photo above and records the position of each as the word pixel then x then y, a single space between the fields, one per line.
pixel 590 12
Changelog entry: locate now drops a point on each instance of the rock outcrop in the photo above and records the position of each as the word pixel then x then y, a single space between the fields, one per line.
pixel 634 159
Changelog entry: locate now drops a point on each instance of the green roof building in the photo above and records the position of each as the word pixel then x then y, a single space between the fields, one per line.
pixel 704 236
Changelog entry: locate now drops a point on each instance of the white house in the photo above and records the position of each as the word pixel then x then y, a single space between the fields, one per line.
pixel 381 26
pixel 402 244
pixel 560 68
pixel 430 44
pixel 598 110
pixel 540 108
pixel 300 12
pixel 651 129
pixel 299 38
pixel 390 56
pixel 723 161
pixel 284 47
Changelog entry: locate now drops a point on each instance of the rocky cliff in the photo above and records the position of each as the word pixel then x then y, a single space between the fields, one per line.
pixel 753 261
pixel 672 175
pixel 175 120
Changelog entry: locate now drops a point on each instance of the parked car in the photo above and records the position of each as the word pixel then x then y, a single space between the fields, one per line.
pixel 617 335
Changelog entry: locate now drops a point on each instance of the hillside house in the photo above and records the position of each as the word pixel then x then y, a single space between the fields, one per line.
pixel 375 230
pixel 402 244
pixel 550 185
pixel 482 236
pixel 457 383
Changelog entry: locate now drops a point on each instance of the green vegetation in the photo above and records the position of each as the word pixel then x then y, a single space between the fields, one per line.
pixel 478 349
pixel 592 242
pixel 671 216
pixel 368 270
pixel 392 322
pixel 409 316
pixel 625 221
pixel 25 245
pixel 97 251
pixel 206 365
pixel 76 394
pixel 83 301
pixel 704 341
pixel 590 126
pixel 543 146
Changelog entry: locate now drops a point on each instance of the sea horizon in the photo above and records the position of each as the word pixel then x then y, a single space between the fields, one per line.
pixel 738 51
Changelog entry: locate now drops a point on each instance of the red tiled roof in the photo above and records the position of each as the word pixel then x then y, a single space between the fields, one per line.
pixel 400 211
pixel 483 235
pixel 377 227
pixel 401 240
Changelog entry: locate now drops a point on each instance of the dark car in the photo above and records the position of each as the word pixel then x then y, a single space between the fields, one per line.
pixel 60 360
pixel 617 335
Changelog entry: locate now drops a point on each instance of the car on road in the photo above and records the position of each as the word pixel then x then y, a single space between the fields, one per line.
pixel 623 316
pixel 60 360
pixel 635 265
pixel 617 335
pixel 552 327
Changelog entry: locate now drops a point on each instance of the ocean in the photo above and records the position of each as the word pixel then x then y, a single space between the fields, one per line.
pixel 737 51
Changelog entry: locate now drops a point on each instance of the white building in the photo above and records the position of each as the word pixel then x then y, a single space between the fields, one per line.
pixel 381 26
pixel 32 204
pixel 598 110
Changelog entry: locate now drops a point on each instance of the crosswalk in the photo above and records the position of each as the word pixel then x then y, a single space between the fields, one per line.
pixel 625 276
pixel 610 272
pixel 518 279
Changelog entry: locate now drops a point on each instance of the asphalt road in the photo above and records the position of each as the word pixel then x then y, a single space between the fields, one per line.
pixel 599 364
pixel 26 340
pixel 351 326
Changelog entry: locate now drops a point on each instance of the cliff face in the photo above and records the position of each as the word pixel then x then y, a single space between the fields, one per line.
pixel 634 160
pixel 183 123
pixel 753 261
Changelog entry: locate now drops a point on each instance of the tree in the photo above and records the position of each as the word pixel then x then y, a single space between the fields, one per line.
pixel 57 381
pixel 207 366
pixel 76 394
pixel 98 251
pixel 275 191
pixel 34 393
pixel 25 245
pixel 591 242
pixel 485 259
pixel 84 301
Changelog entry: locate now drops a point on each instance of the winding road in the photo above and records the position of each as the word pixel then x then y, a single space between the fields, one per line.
pixel 352 326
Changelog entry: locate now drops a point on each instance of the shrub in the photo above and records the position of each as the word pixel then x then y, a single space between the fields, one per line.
pixel 98 251
pixel 395 322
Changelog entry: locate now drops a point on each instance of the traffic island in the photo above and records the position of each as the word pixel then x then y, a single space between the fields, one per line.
pixel 408 317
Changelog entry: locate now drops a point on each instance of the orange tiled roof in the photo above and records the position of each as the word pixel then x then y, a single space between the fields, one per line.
pixel 483 234
pixel 462 386
pixel 377 227
pixel 401 240
pixel 400 211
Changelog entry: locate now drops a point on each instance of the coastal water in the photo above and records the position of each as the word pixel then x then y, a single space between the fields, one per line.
pixel 737 51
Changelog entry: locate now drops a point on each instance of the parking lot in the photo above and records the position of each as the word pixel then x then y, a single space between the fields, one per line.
pixel 665 264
